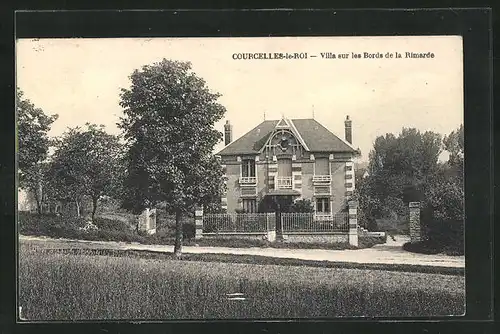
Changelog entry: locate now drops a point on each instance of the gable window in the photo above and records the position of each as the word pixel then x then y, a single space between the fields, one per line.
pixel 323 205
pixel 248 168
pixel 249 205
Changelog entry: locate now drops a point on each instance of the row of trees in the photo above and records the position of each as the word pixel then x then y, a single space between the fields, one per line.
pixel 163 157
pixel 86 162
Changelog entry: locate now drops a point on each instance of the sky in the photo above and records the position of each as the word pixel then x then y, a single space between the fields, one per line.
pixel 80 80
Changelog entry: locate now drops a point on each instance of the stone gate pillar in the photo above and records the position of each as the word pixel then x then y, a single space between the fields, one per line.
pixel 353 223
pixel 271 226
pixel 147 221
pixel 152 221
pixel 415 227
pixel 144 220
pixel 198 222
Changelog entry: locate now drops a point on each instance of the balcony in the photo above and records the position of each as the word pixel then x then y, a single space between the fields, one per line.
pixel 283 182
pixel 248 181
pixel 322 179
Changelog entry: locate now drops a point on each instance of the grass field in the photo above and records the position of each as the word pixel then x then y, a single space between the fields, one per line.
pixel 58 286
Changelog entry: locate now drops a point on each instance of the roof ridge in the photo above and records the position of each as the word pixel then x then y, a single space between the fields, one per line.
pixel 299 136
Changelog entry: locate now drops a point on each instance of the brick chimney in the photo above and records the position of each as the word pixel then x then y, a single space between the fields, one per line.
pixel 348 130
pixel 228 133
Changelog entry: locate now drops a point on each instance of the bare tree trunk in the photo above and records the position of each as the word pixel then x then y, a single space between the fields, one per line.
pixel 38 205
pixel 77 208
pixel 38 197
pixel 178 235
pixel 94 206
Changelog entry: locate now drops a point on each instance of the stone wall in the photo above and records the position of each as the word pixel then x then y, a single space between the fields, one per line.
pixel 316 238
pixel 227 236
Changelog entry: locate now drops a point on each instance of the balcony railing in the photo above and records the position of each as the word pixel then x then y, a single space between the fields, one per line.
pixel 322 179
pixel 283 182
pixel 248 180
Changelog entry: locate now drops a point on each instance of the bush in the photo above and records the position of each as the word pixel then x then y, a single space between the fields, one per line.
pixel 446 235
pixel 111 224
pixel 368 241
pixel 188 231
pixel 392 226
pixel 440 236
pixel 422 247
pixel 70 228
pixel 47 224
pixel 302 205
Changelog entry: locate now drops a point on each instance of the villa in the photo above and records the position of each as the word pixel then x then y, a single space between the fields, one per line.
pixel 280 161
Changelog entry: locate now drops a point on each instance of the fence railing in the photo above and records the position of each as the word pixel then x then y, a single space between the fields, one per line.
pixel 310 222
pixel 238 222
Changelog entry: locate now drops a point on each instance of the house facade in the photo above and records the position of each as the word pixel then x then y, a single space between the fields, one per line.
pixel 280 161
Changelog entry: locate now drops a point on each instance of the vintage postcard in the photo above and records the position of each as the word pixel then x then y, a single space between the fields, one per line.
pixel 240 178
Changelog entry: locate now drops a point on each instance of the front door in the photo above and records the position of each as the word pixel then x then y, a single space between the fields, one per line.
pixel 283 206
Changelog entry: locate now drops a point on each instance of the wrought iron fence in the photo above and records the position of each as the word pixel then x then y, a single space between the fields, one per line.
pixel 238 222
pixel 310 222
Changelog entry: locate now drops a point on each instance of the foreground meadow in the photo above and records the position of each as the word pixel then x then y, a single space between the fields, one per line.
pixel 58 286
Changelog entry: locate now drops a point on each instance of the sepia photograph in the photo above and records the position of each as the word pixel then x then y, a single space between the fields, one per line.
pixel 209 178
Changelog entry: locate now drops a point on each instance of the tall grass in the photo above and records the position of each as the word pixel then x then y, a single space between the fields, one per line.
pixel 79 287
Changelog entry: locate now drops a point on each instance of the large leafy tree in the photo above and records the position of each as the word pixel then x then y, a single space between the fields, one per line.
pixel 454 144
pixel 398 166
pixel 169 117
pixel 32 146
pixel 86 162
pixel 445 191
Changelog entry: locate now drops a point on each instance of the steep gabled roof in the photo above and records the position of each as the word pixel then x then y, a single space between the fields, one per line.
pixel 320 139
pixel 316 137
pixel 252 141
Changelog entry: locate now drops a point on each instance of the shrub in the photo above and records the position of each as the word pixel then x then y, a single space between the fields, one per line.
pixel 111 224
pixel 440 236
pixel 47 224
pixel 368 241
pixel 445 234
pixel 422 247
pixel 302 205
pixel 391 226
pixel 188 230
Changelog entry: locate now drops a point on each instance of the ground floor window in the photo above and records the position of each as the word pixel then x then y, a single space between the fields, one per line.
pixel 250 205
pixel 323 205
